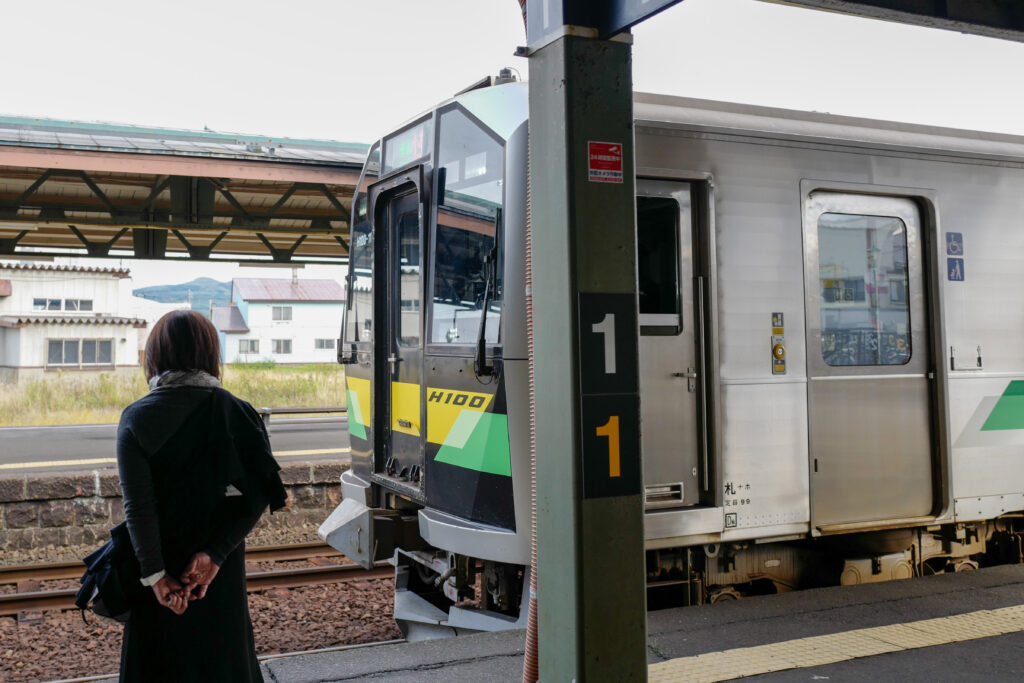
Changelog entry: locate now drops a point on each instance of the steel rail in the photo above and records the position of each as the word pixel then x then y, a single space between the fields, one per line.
pixel 13 603
pixel 73 570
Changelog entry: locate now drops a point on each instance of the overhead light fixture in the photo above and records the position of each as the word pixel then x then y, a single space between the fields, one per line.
pixel 18 225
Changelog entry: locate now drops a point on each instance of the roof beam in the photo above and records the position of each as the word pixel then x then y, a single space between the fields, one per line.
pixel 993 18
pixel 165 164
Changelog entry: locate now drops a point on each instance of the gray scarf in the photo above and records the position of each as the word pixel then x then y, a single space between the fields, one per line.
pixel 183 378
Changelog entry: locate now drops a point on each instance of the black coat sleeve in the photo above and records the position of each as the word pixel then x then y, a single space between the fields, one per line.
pixel 231 533
pixel 252 435
pixel 139 500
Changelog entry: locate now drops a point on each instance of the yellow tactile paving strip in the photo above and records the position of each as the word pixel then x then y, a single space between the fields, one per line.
pixel 836 647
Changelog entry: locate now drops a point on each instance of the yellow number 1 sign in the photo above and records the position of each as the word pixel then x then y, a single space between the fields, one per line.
pixel 611 430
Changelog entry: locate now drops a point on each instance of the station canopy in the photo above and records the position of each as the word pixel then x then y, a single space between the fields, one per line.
pixel 84 189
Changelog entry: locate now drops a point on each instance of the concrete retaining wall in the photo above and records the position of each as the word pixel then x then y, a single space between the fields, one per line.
pixel 80 509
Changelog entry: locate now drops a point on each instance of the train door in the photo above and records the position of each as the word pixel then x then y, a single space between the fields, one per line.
pixel 671 378
pixel 398 221
pixel 869 390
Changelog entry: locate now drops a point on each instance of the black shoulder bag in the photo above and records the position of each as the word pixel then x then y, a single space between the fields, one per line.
pixel 111 582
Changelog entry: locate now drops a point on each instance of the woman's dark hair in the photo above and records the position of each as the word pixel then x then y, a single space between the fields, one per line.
pixel 182 340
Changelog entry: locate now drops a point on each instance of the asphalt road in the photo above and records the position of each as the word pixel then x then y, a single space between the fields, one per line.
pixel 74 448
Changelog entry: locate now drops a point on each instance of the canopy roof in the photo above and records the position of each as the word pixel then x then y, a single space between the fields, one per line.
pixel 73 188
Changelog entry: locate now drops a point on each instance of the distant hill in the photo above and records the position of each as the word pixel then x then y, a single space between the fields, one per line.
pixel 203 290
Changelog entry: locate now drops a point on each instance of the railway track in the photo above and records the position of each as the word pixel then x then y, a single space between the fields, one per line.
pixel 62 599
pixel 72 570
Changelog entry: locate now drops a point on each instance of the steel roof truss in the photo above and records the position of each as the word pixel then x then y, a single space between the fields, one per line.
pixel 279 254
pixel 97 249
pixel 201 252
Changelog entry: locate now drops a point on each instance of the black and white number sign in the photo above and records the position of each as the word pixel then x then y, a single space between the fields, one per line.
pixel 609 402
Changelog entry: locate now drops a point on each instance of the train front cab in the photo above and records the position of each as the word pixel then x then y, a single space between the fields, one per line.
pixel 439 472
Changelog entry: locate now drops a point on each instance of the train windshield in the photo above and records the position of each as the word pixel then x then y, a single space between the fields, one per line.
pixel 467 270
pixel 359 312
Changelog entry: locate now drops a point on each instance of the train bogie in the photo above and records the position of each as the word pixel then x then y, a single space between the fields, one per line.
pixel 832 388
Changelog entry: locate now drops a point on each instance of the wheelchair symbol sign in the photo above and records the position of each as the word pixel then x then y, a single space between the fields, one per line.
pixel 954 244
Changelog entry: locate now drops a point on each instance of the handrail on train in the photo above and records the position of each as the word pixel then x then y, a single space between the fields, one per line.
pixel 265 413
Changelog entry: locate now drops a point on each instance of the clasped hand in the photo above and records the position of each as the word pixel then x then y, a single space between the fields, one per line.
pixel 195 580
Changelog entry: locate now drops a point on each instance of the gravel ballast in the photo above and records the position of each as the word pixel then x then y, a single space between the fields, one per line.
pixel 48 646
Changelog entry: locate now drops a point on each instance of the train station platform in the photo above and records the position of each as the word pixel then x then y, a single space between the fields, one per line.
pixel 967 626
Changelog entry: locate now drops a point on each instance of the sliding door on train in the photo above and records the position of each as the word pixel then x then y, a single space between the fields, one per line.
pixel 671 377
pixel 869 393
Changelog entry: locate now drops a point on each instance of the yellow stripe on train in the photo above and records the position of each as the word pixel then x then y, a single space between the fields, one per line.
pixel 443 407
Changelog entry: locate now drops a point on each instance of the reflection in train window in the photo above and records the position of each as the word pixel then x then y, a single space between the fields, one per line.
pixel 467 263
pixel 657 254
pixel 865 315
pixel 359 312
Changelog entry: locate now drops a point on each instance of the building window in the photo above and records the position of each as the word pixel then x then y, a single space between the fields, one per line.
pixel 76 353
pixel 77 304
pixel 324 343
pixel 282 346
pixel 281 312
pixel 46 304
pixel 68 305
pixel 248 345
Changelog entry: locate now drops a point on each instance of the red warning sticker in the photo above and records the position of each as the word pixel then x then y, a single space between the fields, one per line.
pixel 605 162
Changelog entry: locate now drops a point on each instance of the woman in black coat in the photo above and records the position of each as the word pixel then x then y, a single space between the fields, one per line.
pixel 197 472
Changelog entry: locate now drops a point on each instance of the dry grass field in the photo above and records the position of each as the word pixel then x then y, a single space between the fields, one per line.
pixel 64 398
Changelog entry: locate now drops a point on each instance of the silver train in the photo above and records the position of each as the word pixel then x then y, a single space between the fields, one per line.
pixel 832 366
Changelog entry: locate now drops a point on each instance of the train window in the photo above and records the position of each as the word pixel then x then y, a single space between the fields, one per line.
pixel 467 245
pixel 359 311
pixel 865 314
pixel 409 277
pixel 407 147
pixel 657 252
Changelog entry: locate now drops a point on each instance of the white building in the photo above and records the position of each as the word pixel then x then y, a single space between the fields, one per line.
pixel 285 321
pixel 64 318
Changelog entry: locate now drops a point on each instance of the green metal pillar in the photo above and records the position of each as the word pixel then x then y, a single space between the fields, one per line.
pixel 591 577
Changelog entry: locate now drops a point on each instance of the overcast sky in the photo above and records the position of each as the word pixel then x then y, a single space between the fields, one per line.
pixel 348 70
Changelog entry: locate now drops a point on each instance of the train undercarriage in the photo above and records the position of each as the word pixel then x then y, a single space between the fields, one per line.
pixel 439 594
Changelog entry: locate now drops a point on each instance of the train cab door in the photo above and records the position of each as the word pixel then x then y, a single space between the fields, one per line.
pixel 398 289
pixel 870 405
pixel 672 382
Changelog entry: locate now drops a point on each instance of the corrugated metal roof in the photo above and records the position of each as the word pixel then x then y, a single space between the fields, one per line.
pixel 34 132
pixel 116 272
pixel 22 320
pixel 228 319
pixel 277 289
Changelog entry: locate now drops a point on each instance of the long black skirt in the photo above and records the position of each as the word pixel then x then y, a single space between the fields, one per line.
pixel 211 641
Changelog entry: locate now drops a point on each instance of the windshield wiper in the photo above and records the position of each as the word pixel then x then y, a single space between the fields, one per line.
pixel 480 366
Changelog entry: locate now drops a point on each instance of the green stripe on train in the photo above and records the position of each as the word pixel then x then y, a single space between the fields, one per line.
pixel 355 416
pixel 479 442
pixel 1008 412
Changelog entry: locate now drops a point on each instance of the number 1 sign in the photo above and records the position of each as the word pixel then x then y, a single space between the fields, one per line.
pixel 609 395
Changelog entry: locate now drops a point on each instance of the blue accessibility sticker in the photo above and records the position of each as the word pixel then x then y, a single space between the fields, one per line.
pixel 955 269
pixel 954 244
